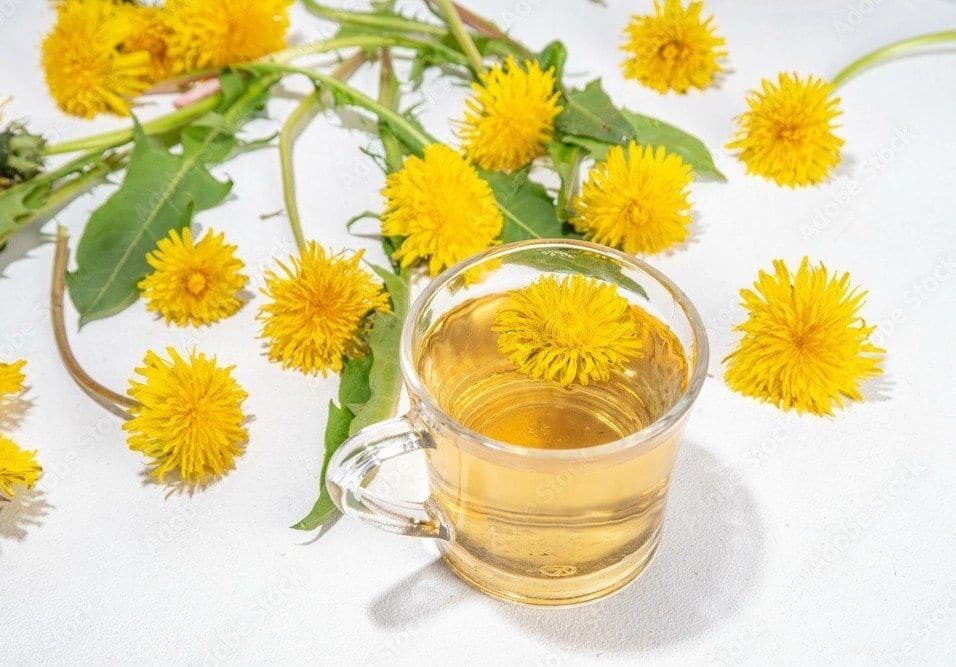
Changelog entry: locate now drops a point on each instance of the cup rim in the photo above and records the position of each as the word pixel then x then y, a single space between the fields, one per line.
pixel 634 440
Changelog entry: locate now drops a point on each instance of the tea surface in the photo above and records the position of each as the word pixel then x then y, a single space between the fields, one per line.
pixel 472 381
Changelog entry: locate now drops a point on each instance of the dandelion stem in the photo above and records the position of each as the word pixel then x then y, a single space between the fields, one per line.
pixel 484 27
pixel 297 121
pixel 388 97
pixel 367 42
pixel 185 115
pixel 161 125
pixel 569 185
pixel 891 51
pixel 415 138
pixel 97 391
pixel 301 116
pixel 369 20
pixel 63 194
pixel 453 19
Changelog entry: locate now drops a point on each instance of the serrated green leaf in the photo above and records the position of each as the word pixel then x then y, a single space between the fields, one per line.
pixel 369 390
pixel 159 193
pixel 385 377
pixel 588 264
pixel 527 208
pixel 566 162
pixel 653 132
pixel 591 113
pixel 353 387
pixel 336 432
pixel 592 122
pixel 45 193
pixel 553 55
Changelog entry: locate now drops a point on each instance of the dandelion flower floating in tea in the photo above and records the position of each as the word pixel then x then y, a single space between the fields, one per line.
pixel 442 208
pixel 188 418
pixel 193 283
pixel 510 117
pixel 787 134
pixel 673 49
pixel 317 307
pixel 635 200
pixel 86 70
pixel 18 469
pixel 804 345
pixel 12 378
pixel 213 33
pixel 572 330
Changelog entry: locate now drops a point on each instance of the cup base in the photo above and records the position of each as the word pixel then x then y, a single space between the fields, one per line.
pixel 551 592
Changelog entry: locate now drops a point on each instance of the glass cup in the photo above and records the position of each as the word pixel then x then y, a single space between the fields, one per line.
pixel 531 525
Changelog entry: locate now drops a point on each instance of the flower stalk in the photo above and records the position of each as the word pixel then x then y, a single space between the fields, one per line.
pixel 296 122
pixel 186 114
pixel 103 395
pixel 891 51
pixel 166 123
pixel 415 138
pixel 453 19
pixel 370 20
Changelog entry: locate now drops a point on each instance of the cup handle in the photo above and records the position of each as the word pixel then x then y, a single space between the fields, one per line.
pixel 355 463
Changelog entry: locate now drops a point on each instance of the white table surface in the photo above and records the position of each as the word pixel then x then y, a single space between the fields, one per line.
pixel 789 539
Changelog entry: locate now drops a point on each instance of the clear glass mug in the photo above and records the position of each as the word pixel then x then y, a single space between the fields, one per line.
pixel 538 526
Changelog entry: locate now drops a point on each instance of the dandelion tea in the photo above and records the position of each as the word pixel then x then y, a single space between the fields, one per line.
pixel 545 526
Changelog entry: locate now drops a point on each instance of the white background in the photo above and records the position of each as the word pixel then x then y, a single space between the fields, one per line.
pixel 788 538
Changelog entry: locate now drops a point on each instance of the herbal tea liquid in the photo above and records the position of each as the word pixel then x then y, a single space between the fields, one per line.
pixel 540 522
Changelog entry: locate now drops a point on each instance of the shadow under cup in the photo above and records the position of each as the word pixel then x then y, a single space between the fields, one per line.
pixel 548 526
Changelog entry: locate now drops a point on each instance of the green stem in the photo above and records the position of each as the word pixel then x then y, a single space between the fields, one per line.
pixel 371 20
pixel 453 19
pixel 180 117
pixel 76 164
pixel 297 121
pixel 365 42
pixel 415 138
pixel 501 43
pixel 62 195
pixel 891 51
pixel 569 185
pixel 301 116
pixel 161 125
pixel 388 97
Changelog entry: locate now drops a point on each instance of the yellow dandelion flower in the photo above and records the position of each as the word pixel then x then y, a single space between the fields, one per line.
pixel 510 117
pixel 12 378
pixel 804 345
pixel 573 330
pixel 787 133
pixel 193 283
pixel 188 417
pixel 85 69
pixel 674 49
pixel 443 209
pixel 213 33
pixel 18 468
pixel 150 32
pixel 636 201
pixel 317 309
